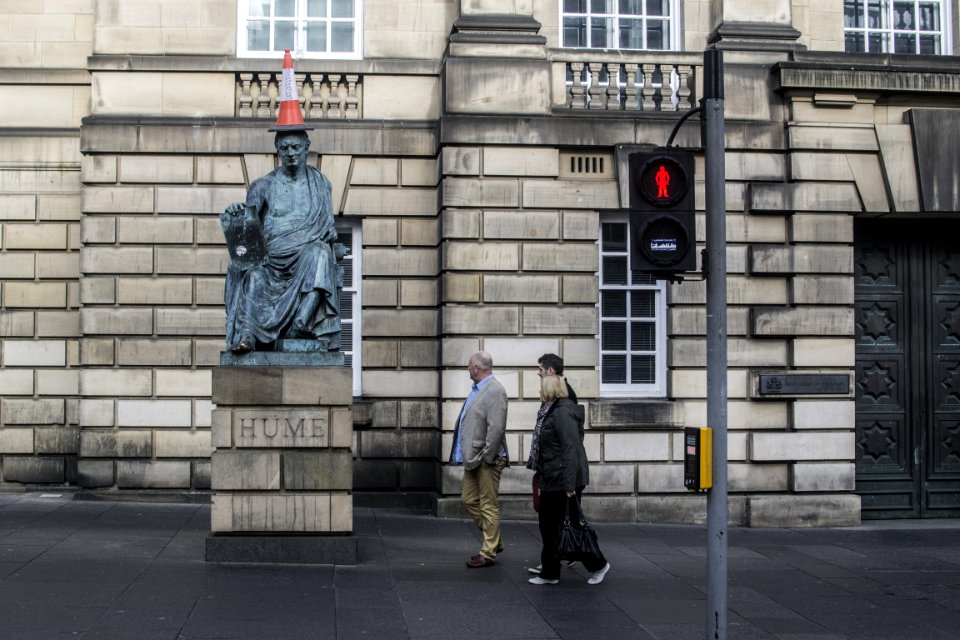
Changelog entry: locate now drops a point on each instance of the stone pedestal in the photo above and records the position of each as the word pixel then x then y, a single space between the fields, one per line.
pixel 282 472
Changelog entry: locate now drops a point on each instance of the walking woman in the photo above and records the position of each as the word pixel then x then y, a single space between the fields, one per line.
pixel 564 473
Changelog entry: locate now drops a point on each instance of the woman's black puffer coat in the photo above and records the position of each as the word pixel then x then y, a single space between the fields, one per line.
pixel 563 461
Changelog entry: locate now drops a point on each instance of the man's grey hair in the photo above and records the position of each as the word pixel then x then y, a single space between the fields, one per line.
pixel 483 359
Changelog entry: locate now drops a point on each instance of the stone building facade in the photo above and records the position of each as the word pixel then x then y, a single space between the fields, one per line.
pixel 477 160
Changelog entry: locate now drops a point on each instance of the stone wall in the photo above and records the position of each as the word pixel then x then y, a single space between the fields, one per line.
pixel 207 27
pixel 52 34
pixel 475 235
pixel 39 319
pixel 152 320
pixel 520 259
pixel 44 92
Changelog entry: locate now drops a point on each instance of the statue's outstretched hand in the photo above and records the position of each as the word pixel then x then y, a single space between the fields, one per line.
pixel 234 209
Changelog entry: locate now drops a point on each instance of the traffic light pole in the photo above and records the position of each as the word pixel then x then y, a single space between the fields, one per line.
pixel 716 258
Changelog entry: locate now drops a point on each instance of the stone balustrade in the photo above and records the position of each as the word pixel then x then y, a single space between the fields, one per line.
pixel 322 95
pixel 615 82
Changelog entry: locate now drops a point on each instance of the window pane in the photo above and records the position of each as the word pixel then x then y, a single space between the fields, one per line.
pixel 614 237
pixel 259 9
pixel 643 370
pixel 285 8
pixel 613 370
pixel 642 336
pixel 613 336
pixel 905 43
pixel 631 34
pixel 574 32
pixel 283 36
pixel 903 15
pixel 347 272
pixel 346 306
pixel 599 28
pixel 658 37
pixel 341 36
pixel 877 14
pixel 930 45
pixel 631 7
pixel 574 6
pixel 613 304
pixel 316 8
pixel 852 16
pixel 258 36
pixel 602 6
pixel 316 36
pixel 342 8
pixel 878 43
pixel 929 16
pixel 642 304
pixel 615 270
pixel 854 42
pixel 658 7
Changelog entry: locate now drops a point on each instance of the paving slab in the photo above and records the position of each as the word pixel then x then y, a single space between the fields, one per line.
pixel 101 570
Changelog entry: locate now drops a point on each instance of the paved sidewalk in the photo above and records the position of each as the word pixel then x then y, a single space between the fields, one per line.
pixel 124 570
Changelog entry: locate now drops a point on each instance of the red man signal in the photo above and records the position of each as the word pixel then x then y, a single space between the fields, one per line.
pixel 662 178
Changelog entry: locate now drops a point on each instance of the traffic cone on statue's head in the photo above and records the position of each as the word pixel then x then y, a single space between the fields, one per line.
pixel 289 116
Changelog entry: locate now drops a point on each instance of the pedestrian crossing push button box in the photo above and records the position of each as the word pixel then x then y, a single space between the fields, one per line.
pixel 697 458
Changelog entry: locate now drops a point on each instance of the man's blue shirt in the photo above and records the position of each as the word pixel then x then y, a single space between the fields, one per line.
pixel 457 447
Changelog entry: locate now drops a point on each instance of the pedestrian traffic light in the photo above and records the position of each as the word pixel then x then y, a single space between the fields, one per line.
pixel 662 212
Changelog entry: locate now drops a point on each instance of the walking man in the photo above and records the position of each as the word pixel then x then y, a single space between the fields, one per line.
pixel 480 445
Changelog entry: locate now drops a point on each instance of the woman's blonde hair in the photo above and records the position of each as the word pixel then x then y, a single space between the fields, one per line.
pixel 552 387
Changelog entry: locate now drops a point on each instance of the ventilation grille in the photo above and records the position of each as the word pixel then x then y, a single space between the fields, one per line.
pixel 586 166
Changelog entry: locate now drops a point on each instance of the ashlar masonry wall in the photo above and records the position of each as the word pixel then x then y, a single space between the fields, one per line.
pixel 39 318
pixel 152 316
pixel 44 93
pixel 520 262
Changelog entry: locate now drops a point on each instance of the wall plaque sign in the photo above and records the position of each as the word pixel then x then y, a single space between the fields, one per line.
pixel 801 384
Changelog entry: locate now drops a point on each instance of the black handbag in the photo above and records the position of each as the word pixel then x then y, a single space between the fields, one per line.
pixel 578 540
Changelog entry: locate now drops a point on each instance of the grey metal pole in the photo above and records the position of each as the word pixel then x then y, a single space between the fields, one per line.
pixel 712 118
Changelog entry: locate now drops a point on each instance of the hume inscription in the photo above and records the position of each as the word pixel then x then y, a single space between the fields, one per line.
pixel 281 429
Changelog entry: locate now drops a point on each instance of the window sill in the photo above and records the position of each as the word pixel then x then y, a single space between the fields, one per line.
pixel 626 413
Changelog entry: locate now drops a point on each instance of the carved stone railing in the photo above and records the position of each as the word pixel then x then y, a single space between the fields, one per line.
pixel 322 95
pixel 612 81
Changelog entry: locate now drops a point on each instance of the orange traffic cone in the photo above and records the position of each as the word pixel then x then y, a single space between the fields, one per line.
pixel 289 116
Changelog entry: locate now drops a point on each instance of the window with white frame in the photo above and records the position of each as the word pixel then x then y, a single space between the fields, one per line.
pixel 309 28
pixel 619 24
pixel 896 26
pixel 349 235
pixel 633 334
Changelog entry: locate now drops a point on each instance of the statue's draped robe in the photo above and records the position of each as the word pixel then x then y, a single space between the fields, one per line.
pixel 262 301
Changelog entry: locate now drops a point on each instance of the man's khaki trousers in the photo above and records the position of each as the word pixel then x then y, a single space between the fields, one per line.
pixel 480 497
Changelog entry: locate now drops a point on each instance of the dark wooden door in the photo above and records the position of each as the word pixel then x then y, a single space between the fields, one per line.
pixel 908 368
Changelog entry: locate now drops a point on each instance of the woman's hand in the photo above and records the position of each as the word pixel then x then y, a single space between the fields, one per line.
pixel 570 494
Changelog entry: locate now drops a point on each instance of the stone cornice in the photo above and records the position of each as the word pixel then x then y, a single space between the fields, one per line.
pixel 131 134
pixel 755 36
pixel 215 64
pixel 44 76
pixel 881 73
pixel 502 29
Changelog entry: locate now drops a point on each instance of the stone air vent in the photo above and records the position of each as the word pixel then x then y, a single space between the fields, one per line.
pixel 586 166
